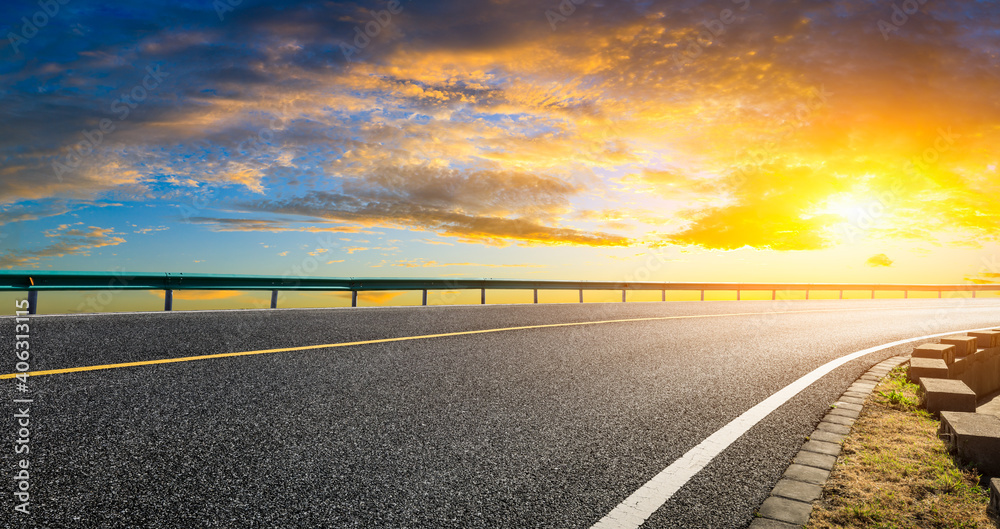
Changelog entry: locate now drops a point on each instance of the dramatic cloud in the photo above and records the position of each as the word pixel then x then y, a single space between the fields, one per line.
pixel 444 221
pixel 787 126
pixel 269 225
pixel 770 206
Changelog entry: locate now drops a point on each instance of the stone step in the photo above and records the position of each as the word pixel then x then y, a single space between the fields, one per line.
pixel 941 394
pixel 927 367
pixel 987 339
pixel 940 351
pixel 964 345
pixel 975 437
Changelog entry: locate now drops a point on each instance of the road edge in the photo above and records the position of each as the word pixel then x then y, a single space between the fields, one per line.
pixel 790 503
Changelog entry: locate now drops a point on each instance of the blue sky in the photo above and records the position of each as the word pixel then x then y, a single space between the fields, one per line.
pixel 730 141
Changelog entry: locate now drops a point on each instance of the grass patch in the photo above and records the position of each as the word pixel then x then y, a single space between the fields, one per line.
pixel 894 473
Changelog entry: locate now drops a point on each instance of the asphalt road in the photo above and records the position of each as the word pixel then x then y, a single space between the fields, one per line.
pixel 547 427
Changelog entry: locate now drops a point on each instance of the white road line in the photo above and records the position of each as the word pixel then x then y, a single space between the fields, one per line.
pixel 637 508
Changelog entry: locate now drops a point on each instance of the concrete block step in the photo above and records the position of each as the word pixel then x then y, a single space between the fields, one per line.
pixel 940 394
pixel 987 339
pixel 975 437
pixel 940 351
pixel 964 345
pixel 927 367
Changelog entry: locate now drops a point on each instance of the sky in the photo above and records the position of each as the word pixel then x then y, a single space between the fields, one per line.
pixel 731 140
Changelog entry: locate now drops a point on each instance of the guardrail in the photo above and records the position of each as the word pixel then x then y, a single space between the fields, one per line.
pixel 34 282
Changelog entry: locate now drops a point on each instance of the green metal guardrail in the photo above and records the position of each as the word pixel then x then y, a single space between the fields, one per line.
pixel 34 282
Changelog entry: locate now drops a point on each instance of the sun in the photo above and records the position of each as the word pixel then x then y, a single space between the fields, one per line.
pixel 846 205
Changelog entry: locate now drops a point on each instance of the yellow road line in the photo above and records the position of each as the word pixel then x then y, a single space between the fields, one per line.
pixel 405 338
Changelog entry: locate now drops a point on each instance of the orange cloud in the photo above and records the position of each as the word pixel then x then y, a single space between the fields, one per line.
pixel 879 260
pixel 269 225
pixel 488 229
pixel 71 241
pixel 985 278
pixel 770 206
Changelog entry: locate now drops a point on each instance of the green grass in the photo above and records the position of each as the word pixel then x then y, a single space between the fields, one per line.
pixel 894 473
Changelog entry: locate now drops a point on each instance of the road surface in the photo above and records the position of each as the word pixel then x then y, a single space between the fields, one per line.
pixel 547 426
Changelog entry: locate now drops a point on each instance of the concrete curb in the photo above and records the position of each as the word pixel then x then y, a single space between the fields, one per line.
pixel 791 501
